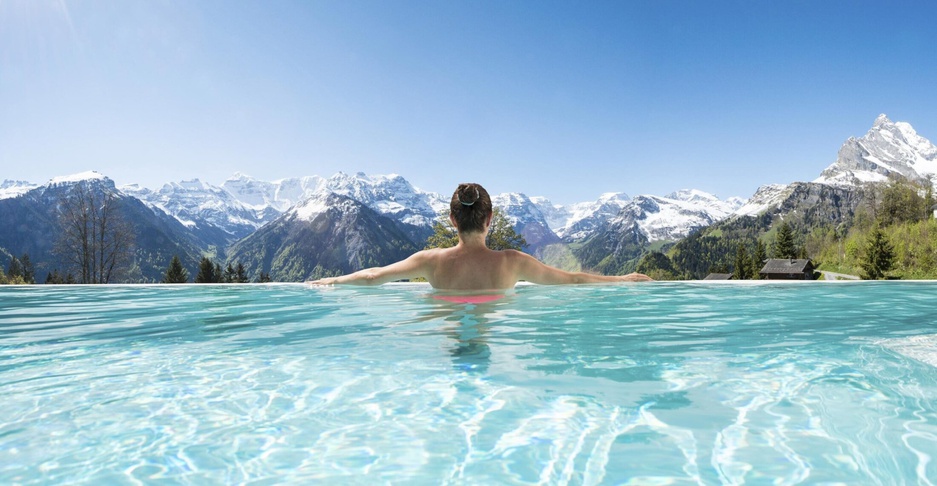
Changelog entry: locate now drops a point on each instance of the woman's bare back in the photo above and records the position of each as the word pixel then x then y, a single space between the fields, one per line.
pixel 462 268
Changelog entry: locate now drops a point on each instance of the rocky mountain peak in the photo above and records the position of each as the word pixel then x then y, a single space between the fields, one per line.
pixel 881 121
pixel 91 176
pixel 889 150
pixel 693 195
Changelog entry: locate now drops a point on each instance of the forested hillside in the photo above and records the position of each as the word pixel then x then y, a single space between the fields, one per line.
pixel 883 231
pixel 902 215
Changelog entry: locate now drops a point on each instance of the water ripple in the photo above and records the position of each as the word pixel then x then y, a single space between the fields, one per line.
pixel 664 383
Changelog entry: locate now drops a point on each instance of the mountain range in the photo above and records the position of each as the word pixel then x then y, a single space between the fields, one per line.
pixel 889 152
pixel 299 227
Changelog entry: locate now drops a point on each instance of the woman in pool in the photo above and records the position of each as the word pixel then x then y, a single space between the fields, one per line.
pixel 471 265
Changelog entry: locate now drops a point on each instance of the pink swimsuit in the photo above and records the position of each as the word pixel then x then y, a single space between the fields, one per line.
pixel 469 299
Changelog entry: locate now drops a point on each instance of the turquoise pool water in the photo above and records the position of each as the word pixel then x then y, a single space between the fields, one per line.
pixel 663 383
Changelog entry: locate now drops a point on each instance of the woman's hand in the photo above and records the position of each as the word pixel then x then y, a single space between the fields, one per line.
pixel 322 281
pixel 636 277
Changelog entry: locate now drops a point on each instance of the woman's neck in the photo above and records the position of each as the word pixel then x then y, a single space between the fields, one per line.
pixel 472 240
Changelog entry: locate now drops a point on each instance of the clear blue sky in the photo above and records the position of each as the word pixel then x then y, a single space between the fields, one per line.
pixel 561 99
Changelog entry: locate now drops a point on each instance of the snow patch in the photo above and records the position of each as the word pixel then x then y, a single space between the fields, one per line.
pixel 81 176
pixel 10 189
pixel 309 209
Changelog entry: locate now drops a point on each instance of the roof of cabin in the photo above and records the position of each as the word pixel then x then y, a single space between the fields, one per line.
pixel 785 265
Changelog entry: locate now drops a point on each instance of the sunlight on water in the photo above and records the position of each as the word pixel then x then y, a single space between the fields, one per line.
pixel 664 383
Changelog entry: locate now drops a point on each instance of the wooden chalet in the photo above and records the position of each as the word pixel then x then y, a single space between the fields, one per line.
pixel 787 269
pixel 719 276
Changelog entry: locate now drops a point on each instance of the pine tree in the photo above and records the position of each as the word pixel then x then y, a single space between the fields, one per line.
pixel 11 279
pixel 502 236
pixel 240 273
pixel 29 271
pixel 206 272
pixel 444 235
pixel 15 269
pixel 229 274
pixel 759 259
pixel 264 277
pixel 176 273
pixel 55 277
pixel 879 255
pixel 784 246
pixel 743 265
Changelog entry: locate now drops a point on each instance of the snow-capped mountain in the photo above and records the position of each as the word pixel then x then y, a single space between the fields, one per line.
pixel 325 234
pixel 90 175
pixel 10 188
pixel 216 217
pixel 675 215
pixel 277 195
pixel 615 244
pixel 199 205
pixel 767 196
pixel 391 195
pixel 527 219
pixel 578 221
pixel 541 222
pixel 888 150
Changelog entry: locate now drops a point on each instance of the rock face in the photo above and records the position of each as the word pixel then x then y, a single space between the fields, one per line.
pixel 890 150
pixel 817 204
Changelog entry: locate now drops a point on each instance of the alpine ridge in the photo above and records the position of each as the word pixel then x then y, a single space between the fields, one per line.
pixel 326 224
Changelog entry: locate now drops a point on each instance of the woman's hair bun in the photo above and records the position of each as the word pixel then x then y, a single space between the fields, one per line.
pixel 468 194
pixel 470 207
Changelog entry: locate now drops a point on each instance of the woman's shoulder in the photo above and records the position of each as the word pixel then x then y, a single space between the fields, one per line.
pixel 514 254
pixel 515 257
pixel 431 254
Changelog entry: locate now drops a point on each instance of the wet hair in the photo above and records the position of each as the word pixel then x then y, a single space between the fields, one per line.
pixel 470 207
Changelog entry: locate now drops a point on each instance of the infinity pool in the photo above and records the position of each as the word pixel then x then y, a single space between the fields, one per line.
pixel 660 383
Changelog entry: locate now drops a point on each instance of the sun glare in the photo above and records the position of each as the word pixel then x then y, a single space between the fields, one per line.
pixel 33 29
